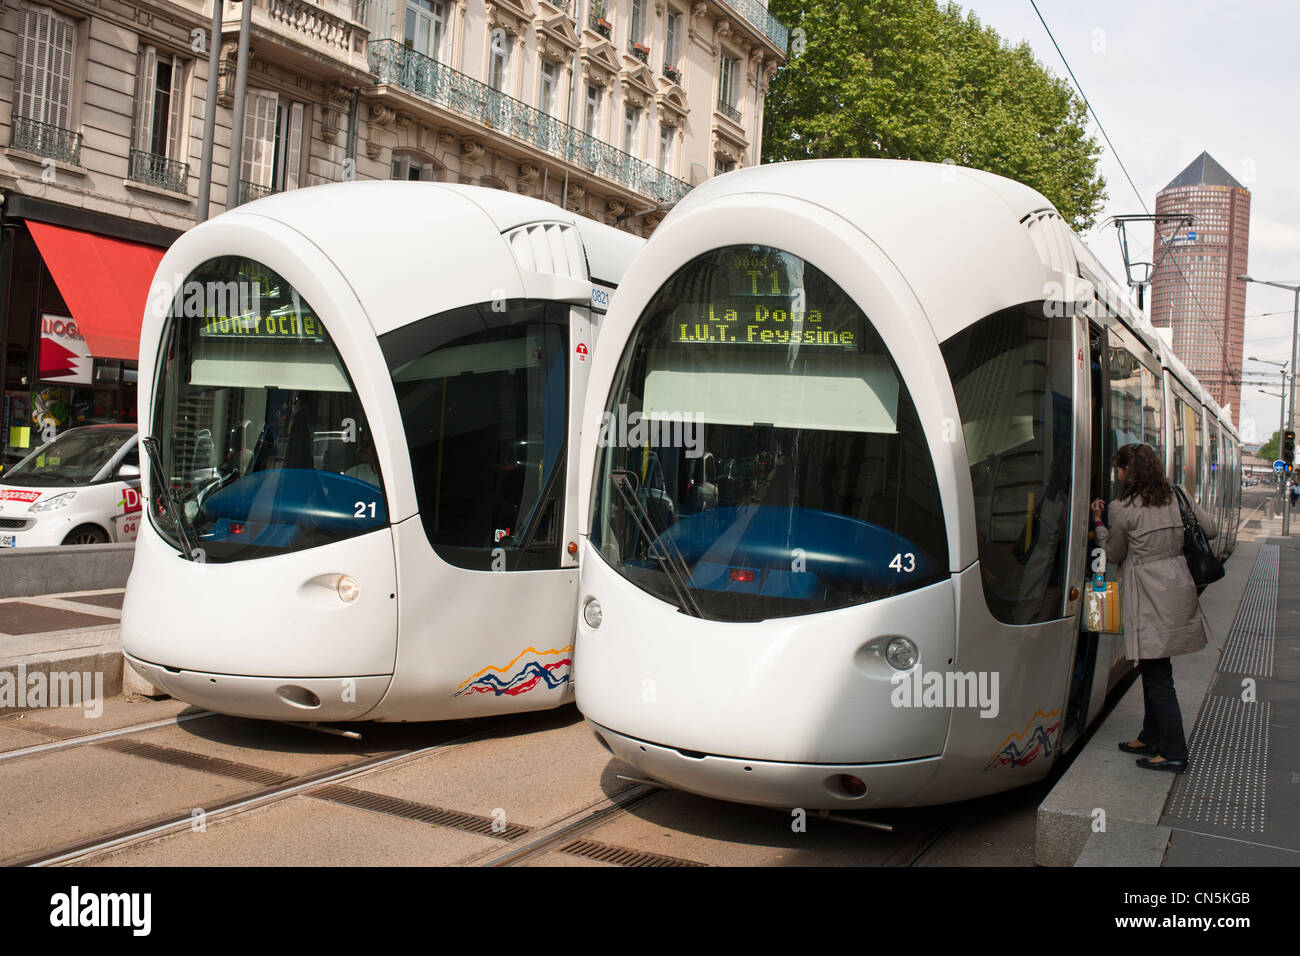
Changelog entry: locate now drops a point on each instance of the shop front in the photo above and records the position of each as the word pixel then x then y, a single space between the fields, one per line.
pixel 72 291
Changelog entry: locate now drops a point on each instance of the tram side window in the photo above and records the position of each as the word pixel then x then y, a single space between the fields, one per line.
pixel 1153 412
pixel 1197 479
pixel 1013 377
pixel 484 402
pixel 1180 443
pixel 1126 410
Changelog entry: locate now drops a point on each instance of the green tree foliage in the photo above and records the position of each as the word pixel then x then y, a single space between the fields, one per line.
pixel 1270 449
pixel 908 79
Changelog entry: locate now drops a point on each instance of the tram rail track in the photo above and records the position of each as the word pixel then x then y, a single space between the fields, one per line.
pixel 90 848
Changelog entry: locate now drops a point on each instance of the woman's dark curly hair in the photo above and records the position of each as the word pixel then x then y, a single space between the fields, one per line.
pixel 1146 476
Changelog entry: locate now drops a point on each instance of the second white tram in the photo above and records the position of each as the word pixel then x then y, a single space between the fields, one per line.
pixel 855 412
pixel 362 401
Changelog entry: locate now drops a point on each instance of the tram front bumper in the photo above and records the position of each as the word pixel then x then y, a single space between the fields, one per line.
pixel 269 698
pixel 772 783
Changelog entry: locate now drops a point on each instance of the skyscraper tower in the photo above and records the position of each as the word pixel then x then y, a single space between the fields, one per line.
pixel 1195 291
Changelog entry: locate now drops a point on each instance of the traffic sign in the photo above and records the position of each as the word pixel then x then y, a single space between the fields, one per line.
pixel 1279 466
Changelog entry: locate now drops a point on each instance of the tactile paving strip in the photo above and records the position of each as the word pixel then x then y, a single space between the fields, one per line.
pixel 1227 776
pixel 1249 648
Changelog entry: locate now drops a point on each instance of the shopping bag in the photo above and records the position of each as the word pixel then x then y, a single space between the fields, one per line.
pixel 1102 608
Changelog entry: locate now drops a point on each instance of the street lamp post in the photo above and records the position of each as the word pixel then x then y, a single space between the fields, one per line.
pixel 1294 289
pixel 1281 425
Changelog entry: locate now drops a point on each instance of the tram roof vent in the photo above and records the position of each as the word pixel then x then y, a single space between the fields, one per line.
pixel 551 248
pixel 1051 236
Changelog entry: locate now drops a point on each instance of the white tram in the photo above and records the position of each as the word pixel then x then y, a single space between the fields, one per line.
pixel 854 414
pixel 364 399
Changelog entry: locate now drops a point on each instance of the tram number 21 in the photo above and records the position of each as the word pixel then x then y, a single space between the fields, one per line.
pixel 361 509
pixel 898 565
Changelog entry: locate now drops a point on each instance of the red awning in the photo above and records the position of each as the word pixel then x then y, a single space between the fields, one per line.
pixel 105 283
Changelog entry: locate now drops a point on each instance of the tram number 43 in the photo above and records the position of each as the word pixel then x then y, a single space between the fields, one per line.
pixel 897 563
pixel 361 509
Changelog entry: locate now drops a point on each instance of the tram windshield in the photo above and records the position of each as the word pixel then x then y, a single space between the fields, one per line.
pixel 263 441
pixel 760 455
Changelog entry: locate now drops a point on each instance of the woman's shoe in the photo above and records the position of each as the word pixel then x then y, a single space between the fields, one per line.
pixel 1143 749
pixel 1173 766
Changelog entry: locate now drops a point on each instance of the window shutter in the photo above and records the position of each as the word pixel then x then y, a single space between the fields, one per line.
pixel 259 138
pixel 176 130
pixel 45 63
pixel 428 173
pixel 146 77
pixel 294 152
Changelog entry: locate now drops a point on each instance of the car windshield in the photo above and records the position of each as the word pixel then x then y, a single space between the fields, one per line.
pixel 761 456
pixel 74 458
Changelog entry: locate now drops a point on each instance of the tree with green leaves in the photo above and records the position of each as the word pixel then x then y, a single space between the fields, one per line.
pixel 909 79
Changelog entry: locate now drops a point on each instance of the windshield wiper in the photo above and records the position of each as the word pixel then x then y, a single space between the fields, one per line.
pixel 169 500
pixel 672 562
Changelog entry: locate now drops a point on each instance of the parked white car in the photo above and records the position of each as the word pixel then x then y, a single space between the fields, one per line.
pixel 81 488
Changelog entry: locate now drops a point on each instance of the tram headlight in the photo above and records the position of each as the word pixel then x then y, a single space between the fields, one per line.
pixel 901 654
pixel 349 590
pixel 591 613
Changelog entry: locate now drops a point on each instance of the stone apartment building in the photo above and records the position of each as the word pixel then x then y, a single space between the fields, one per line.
pixel 611 108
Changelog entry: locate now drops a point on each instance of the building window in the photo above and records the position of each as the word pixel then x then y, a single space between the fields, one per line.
pixel 722 165
pixel 728 85
pixel 272 155
pixel 631 123
pixel 46 58
pixel 546 88
pixel 158 140
pixel 672 40
pixel 408 165
pixel 499 62
pixel 591 117
pixel 426 26
pixel 665 148
pixel 636 22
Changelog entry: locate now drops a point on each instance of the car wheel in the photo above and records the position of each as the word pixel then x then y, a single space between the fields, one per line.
pixel 86 534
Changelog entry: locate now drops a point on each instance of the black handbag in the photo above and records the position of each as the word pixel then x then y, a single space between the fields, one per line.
pixel 1201 560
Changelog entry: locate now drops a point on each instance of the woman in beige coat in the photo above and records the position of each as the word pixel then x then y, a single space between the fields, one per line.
pixel 1160 607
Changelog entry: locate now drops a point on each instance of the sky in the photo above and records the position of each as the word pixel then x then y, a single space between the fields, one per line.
pixel 1168 79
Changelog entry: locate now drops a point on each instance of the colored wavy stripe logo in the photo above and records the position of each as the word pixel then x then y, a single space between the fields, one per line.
pixel 513 682
pixel 1026 746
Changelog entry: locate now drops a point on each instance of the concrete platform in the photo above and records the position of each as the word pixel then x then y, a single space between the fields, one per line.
pixel 1106 811
pixel 67 638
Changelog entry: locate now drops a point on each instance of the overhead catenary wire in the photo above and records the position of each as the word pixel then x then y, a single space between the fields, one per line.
pixel 1229 376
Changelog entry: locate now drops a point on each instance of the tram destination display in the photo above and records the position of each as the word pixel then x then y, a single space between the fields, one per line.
pixel 760 299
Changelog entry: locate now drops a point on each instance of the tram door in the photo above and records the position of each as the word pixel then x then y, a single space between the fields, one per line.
pixel 1084 676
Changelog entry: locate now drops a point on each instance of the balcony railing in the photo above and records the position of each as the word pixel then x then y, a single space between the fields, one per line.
pixel 159 171
pixel 32 136
pixel 249 191
pixel 729 111
pixel 393 63
pixel 757 15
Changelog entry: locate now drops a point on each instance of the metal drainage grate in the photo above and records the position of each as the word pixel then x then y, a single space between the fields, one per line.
pixel 1226 782
pixel 410 810
pixel 1249 648
pixel 200 762
pixel 621 855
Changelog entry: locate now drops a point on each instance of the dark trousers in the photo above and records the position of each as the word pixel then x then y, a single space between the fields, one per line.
pixel 1163 726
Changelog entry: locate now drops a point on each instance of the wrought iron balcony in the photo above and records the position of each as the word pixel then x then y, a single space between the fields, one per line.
pixel 729 111
pixel 32 136
pixel 249 191
pixel 393 63
pixel 159 171
pixel 757 15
